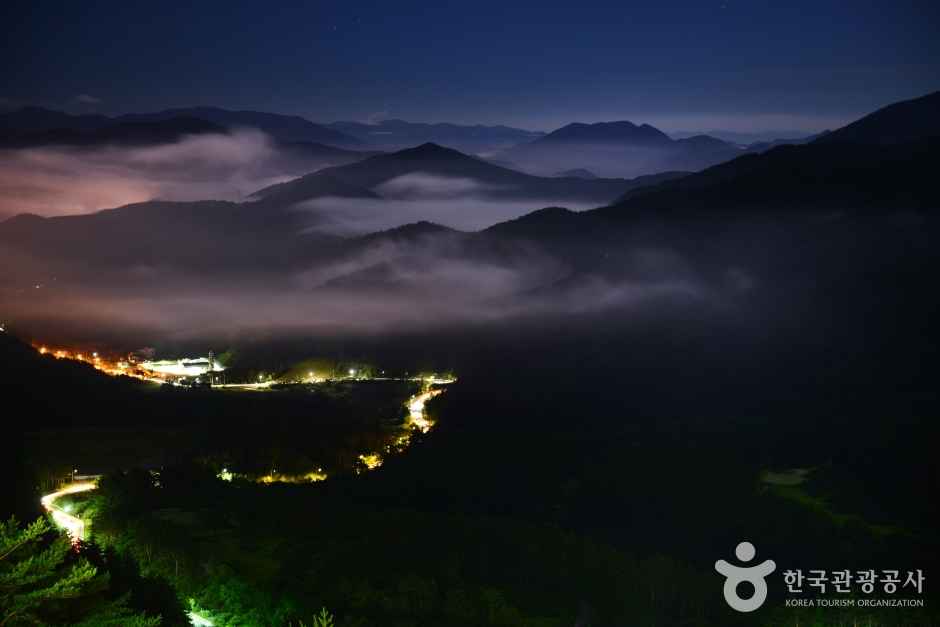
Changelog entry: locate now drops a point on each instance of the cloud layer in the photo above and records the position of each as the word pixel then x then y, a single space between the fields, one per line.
pixel 64 180
pixel 460 203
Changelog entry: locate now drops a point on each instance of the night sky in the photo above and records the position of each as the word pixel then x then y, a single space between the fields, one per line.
pixel 740 66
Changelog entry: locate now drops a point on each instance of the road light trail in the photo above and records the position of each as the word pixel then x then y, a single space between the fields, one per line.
pixel 416 414
pixel 73 525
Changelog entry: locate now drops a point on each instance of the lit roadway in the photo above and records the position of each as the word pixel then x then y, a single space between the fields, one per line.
pixel 75 527
pixel 416 410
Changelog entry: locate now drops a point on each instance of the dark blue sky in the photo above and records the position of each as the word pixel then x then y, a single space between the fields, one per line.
pixel 679 65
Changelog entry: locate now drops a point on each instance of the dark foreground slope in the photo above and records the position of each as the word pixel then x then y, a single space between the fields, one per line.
pixel 651 426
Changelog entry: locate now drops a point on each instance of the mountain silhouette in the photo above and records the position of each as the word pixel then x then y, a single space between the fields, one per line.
pixel 764 146
pixel 201 237
pixel 36 123
pixel 901 122
pixel 885 160
pixel 37 119
pixel 608 132
pixel 316 150
pixel 264 239
pixel 409 232
pixel 862 167
pixel 123 133
pixel 398 134
pixel 617 149
pixel 320 184
pixel 264 235
pixel 537 225
pixel 285 128
pixel 361 179
pixel 576 173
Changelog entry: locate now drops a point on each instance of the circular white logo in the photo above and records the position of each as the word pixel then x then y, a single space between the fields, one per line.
pixel 755 575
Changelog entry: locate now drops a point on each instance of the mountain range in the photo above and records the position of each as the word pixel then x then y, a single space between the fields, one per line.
pixel 398 134
pixel 446 165
pixel 266 232
pixel 874 167
pixel 43 126
pixel 40 126
pixel 117 133
pixel 607 149
pixel 619 149
pixel 284 128
pixel 884 160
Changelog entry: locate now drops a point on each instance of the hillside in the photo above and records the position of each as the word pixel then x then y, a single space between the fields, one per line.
pixel 830 176
pixel 885 160
pixel 898 123
pixel 449 167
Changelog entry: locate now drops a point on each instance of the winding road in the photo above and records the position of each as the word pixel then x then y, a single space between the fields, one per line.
pixel 73 525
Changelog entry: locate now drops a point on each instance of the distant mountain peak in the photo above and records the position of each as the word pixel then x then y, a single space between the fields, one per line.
pixel 620 131
pixel 704 140
pixel 576 173
pixel 616 149
pixel 423 171
pixel 429 151
pixel 431 146
pixel 884 161
pixel 412 230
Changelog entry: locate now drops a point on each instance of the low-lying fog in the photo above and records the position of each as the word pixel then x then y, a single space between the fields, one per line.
pixel 68 180
pixel 176 280
pixel 53 181
pixel 469 210
pixel 801 278
pixel 428 283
